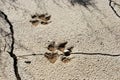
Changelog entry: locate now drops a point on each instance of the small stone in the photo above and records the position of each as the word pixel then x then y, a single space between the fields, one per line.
pixel 28 62
pixel 67 53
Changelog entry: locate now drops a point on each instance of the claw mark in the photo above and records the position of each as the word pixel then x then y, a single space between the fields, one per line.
pixel 110 4
pixel 70 48
pixel 4 16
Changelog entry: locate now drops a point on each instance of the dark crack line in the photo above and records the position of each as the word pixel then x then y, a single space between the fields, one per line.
pixel 102 54
pixel 82 53
pixel 29 55
pixel 15 60
pixel 110 4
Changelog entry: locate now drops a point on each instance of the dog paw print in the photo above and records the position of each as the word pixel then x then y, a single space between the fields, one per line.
pixel 43 19
pixel 54 54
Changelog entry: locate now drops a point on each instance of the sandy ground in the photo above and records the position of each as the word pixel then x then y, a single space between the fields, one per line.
pixel 94 31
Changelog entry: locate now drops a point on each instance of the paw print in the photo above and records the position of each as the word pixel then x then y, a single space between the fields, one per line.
pixel 43 19
pixel 53 55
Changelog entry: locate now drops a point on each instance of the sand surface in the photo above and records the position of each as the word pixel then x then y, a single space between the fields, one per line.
pixel 91 26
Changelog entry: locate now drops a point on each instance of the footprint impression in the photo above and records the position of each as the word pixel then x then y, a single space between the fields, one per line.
pixel 43 19
pixel 53 55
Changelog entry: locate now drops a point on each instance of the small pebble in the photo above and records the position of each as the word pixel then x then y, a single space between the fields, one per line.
pixel 28 62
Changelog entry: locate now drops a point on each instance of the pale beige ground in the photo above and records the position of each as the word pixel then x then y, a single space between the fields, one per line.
pixel 93 30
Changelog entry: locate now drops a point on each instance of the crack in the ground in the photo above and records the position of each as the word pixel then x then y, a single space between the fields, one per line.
pixel 110 4
pixel 82 53
pixel 102 54
pixel 11 53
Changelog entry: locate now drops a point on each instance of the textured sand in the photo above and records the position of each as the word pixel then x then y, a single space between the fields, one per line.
pixel 93 30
